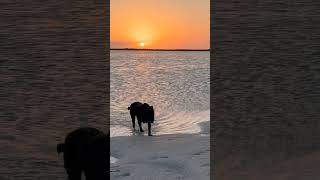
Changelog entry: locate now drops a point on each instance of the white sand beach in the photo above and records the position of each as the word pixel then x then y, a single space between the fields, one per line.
pixel 175 156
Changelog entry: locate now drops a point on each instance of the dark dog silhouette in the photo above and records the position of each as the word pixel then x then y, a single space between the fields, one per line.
pixel 144 113
pixel 85 150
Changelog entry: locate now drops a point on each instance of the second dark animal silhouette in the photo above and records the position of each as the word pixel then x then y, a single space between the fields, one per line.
pixel 144 113
pixel 85 150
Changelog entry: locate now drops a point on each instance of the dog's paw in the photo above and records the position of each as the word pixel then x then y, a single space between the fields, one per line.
pixel 149 134
pixel 141 130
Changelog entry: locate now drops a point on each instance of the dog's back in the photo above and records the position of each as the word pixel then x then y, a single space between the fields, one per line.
pixel 134 106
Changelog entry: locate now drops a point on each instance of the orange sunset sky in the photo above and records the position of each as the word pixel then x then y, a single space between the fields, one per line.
pixel 160 24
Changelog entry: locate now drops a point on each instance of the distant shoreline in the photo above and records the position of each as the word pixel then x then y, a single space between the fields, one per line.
pixel 139 49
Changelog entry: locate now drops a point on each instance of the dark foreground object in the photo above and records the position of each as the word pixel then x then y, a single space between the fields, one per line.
pixel 144 113
pixel 85 150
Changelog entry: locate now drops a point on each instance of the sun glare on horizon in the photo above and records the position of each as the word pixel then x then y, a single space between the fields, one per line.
pixel 141 44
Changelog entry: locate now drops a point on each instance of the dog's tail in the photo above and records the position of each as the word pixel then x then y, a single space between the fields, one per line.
pixel 60 148
pixel 128 108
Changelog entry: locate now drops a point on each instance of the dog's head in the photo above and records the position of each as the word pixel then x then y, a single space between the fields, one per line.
pixel 152 114
pixel 149 112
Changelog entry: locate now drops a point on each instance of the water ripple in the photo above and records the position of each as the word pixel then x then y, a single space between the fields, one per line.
pixel 177 84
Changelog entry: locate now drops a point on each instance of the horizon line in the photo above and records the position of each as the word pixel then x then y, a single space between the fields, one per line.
pixel 152 49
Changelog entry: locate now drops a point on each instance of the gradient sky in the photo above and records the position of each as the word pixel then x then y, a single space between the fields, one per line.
pixel 162 24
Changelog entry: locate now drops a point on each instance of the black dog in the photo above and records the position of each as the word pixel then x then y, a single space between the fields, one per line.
pixel 85 150
pixel 144 113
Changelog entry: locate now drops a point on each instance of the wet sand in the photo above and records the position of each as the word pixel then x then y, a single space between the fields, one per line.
pixel 174 156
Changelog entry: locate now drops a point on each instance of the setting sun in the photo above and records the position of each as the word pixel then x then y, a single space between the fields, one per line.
pixel 141 44
pixel 174 24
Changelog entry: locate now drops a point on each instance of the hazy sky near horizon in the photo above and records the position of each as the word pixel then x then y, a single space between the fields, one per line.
pixel 163 24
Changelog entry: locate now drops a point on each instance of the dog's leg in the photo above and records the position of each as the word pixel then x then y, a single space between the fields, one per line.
pixel 133 120
pixel 149 129
pixel 139 122
pixel 74 174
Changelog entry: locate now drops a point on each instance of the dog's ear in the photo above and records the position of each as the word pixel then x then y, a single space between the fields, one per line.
pixel 151 107
pixel 60 148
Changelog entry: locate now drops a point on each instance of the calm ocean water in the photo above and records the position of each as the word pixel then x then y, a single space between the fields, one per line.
pixel 176 83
